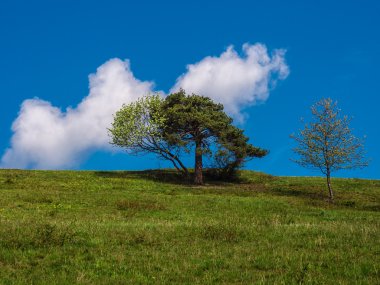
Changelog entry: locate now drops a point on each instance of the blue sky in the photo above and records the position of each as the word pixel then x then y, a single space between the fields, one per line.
pixel 49 48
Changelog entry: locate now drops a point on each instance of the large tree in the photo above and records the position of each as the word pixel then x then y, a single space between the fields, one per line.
pixel 167 127
pixel 138 127
pixel 326 143
pixel 193 120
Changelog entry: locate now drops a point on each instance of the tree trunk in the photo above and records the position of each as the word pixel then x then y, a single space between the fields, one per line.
pixel 173 158
pixel 184 169
pixel 198 176
pixel 331 194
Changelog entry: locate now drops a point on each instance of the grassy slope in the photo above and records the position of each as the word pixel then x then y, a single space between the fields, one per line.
pixel 70 227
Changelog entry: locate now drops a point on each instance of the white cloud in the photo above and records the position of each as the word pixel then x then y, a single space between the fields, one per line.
pixel 233 80
pixel 45 137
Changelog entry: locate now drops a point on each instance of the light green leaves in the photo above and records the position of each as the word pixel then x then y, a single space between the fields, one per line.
pixel 138 124
pixel 326 142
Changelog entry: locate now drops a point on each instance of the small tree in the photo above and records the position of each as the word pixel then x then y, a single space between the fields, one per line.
pixel 138 127
pixel 327 144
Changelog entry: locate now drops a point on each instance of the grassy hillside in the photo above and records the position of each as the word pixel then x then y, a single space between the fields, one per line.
pixel 67 227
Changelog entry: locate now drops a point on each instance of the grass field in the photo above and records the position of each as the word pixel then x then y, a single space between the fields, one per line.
pixel 68 227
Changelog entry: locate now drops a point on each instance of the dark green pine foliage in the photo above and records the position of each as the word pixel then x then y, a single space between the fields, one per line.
pixel 233 150
pixel 197 121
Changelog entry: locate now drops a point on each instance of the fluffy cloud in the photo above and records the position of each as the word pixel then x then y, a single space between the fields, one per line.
pixel 45 137
pixel 233 80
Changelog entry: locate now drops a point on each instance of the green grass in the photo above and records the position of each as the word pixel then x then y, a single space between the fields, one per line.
pixel 68 227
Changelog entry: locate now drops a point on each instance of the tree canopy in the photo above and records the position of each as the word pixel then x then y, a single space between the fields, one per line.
pixel 178 123
pixel 138 127
pixel 197 121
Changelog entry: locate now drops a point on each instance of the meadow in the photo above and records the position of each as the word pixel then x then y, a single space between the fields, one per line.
pixel 151 227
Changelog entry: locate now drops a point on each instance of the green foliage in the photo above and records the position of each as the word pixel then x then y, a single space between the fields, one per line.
pixel 233 150
pixel 177 123
pixel 326 143
pixel 138 127
pixel 193 117
pixel 85 227
pixel 194 120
